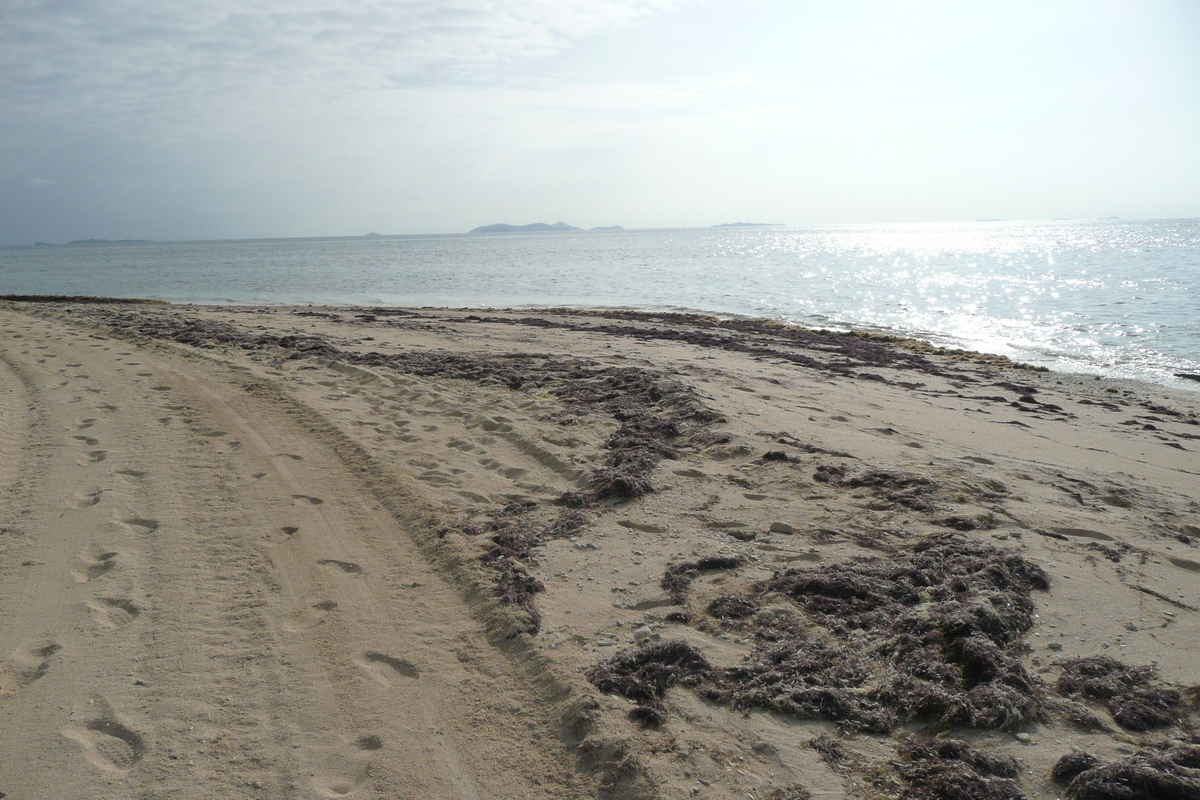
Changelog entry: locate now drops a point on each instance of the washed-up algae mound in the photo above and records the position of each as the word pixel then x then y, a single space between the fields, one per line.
pixel 1072 764
pixel 930 635
pixel 644 673
pixel 1170 771
pixel 1133 695
pixel 923 769
pixel 949 769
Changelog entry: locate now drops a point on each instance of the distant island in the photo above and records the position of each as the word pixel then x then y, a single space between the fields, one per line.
pixel 504 227
pixel 373 235
pixel 608 228
pixel 749 225
pixel 107 241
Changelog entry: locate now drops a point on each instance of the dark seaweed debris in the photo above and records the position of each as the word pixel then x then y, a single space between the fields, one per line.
pixel 513 535
pixel 795 792
pixel 909 491
pixel 1170 772
pixel 643 674
pixel 932 634
pixel 1134 697
pixel 732 607
pixel 837 353
pixel 949 769
pixel 1072 764
pixel 658 416
pixel 678 577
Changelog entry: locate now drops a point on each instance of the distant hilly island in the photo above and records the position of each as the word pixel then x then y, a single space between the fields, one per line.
pixel 504 227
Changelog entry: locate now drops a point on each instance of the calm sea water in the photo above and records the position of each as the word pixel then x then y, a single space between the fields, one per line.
pixel 1113 297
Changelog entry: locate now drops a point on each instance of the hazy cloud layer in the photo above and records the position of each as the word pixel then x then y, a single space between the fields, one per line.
pixel 221 119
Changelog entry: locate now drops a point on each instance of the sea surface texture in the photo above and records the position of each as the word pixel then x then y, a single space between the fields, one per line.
pixel 1119 298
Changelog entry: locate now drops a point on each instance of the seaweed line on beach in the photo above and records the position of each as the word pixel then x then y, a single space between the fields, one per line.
pixel 658 418
pixel 842 353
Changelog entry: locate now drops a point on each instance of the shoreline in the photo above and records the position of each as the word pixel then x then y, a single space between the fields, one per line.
pixel 915 344
pixel 617 518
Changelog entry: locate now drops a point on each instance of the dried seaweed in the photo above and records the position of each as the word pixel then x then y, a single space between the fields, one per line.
pixel 644 673
pixel 678 577
pixel 836 353
pixel 1170 772
pixel 657 415
pixel 794 792
pixel 1072 764
pixel 732 607
pixel 910 491
pixel 513 535
pixel 647 716
pixel 931 634
pixel 1133 695
pixel 949 769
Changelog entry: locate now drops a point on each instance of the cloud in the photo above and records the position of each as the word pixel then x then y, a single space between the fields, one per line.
pixel 84 50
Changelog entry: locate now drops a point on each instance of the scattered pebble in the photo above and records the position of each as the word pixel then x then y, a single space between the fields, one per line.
pixel 782 527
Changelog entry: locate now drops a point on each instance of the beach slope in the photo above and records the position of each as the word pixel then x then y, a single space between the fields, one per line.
pixel 346 552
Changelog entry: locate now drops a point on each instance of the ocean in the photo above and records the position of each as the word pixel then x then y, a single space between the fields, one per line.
pixel 1119 298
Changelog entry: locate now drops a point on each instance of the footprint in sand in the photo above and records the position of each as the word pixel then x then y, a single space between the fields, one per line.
pixel 26 667
pixel 383 667
pixel 114 612
pixel 94 567
pixel 85 498
pixel 93 457
pixel 340 774
pixel 87 440
pixel 1185 563
pixel 141 524
pixel 303 498
pixel 107 742
pixel 85 424
pixel 348 567
pixel 136 474
pixel 292 456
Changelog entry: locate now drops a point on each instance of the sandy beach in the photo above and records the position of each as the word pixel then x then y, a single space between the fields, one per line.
pixel 319 552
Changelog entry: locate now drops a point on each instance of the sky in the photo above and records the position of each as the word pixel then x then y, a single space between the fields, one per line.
pixel 212 119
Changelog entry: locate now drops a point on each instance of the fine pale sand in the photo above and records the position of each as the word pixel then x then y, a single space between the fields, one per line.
pixel 315 552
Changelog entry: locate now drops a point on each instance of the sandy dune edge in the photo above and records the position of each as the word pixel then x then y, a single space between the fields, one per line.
pixel 237 570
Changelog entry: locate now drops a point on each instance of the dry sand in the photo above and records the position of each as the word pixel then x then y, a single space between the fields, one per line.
pixel 237 561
